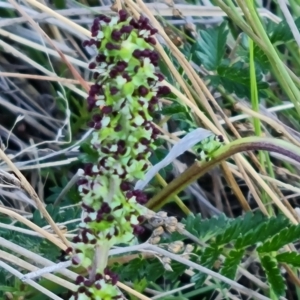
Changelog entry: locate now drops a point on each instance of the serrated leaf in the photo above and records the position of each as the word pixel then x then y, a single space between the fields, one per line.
pixel 262 64
pixel 282 32
pixel 284 237
pixel 290 258
pixel 231 263
pixel 208 259
pixel 205 229
pixel 265 229
pixel 235 79
pixel 211 47
pixel 274 277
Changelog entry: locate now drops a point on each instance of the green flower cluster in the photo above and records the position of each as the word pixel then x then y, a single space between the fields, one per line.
pixel 126 92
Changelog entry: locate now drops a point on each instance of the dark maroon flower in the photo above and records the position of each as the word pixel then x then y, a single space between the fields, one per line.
pixel 75 263
pixel 88 283
pixel 88 169
pixel 145 167
pixel 114 279
pixel 87 219
pixel 138 230
pixel 118 128
pixel 141 219
pixel 98 276
pixel 127 77
pixel 125 186
pixel 82 181
pixel 92 42
pixel 98 44
pixel 159 76
pixel 113 90
pixel 107 109
pixel 79 279
pixel 144 141
pixel 126 29
pixel 134 23
pixel 122 15
pixel 81 289
pixel 100 58
pixel 163 90
pixel 116 35
pixel 98 125
pixel 101 17
pixel 153 31
pixel 97 117
pixel 121 66
pixel 151 40
pixel 76 239
pixel 86 43
pixel 111 46
pixel 106 19
pixel 113 73
pixel 105 150
pixel 153 100
pixel 98 286
pixel 95 27
pixel 92 65
pixel 143 91
pixel 96 75
pixel 137 53
pixel 129 194
pixel 95 89
pixel 143 22
pixel 94 33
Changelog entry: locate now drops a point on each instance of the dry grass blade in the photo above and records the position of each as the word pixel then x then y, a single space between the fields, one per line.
pixel 30 282
pixel 25 265
pixel 27 187
pixel 34 227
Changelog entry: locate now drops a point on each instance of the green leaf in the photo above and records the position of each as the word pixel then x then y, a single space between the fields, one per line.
pixel 205 229
pixel 290 258
pixel 158 155
pixel 284 237
pixel 274 277
pixel 235 79
pixel 211 47
pixel 261 232
pixel 208 259
pixel 282 32
pixel 262 64
pixel 231 263
pixel 174 108
pixel 88 153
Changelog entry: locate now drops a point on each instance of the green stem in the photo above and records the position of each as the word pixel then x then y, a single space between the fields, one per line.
pixel 278 66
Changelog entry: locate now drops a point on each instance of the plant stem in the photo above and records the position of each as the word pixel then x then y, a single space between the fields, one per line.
pixel 241 145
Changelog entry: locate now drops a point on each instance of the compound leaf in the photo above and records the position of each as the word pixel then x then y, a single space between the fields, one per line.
pixel 262 231
pixel 208 259
pixel 235 79
pixel 290 258
pixel 205 229
pixel 275 279
pixel 282 32
pixel 285 236
pixel 231 263
pixel 211 47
